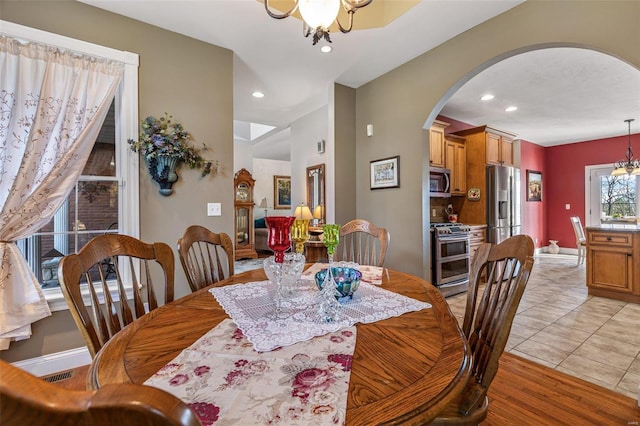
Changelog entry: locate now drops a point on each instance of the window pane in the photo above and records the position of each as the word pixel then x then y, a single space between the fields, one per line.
pixel 97 205
pixel 618 196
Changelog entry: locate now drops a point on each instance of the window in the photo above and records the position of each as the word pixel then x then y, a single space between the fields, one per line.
pixel 105 198
pixel 618 196
pixel 611 199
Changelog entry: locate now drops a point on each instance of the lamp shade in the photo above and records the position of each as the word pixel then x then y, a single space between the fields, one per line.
pixel 303 212
pixel 263 203
pixel 318 212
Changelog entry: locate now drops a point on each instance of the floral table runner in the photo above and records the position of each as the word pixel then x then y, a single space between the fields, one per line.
pixel 248 304
pixel 226 382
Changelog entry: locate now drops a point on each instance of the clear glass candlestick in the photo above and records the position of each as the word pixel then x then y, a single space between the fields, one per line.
pixel 329 309
pixel 279 241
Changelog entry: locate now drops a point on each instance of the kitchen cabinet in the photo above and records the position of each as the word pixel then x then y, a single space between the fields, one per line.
pixel 456 160
pixel 436 144
pixel 499 149
pixel 477 236
pixel 613 256
pixel 484 145
pixel 495 146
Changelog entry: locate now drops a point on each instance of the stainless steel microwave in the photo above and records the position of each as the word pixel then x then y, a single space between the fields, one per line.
pixel 439 182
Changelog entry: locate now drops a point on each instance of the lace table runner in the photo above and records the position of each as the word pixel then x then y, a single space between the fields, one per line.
pixel 248 304
pixel 226 382
pixel 370 274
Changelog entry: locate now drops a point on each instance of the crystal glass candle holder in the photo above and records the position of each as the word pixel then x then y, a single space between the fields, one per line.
pixel 291 270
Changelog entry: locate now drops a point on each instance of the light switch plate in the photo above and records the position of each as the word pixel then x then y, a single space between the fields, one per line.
pixel 567 206
pixel 214 209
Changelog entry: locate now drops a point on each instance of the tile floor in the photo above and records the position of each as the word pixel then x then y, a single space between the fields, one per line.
pixel 559 325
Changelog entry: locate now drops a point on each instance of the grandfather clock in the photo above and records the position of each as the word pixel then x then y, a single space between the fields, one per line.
pixel 243 189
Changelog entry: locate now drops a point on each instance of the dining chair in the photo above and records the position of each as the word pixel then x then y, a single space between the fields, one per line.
pixel 500 272
pixel 362 242
pixel 581 239
pixel 28 400
pixel 83 281
pixel 206 257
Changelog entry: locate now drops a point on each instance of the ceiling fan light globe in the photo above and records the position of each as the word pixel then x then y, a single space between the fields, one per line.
pixel 319 13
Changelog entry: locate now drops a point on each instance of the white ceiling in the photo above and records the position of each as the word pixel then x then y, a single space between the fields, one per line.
pixel 563 95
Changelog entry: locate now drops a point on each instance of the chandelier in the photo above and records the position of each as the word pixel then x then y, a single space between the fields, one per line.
pixel 628 166
pixel 319 15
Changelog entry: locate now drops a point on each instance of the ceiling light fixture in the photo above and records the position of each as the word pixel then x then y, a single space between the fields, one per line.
pixel 487 97
pixel 628 166
pixel 319 15
pixel 257 94
pixel 326 48
pixel 511 108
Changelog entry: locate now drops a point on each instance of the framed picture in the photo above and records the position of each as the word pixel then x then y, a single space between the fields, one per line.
pixel 534 185
pixel 385 173
pixel 282 192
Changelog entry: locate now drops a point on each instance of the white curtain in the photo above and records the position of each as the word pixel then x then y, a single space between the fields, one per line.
pixel 52 106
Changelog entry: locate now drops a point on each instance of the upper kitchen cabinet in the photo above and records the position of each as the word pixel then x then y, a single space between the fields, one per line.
pixel 456 161
pixel 495 146
pixel 436 144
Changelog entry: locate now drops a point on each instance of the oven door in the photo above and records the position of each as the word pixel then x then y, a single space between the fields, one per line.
pixel 452 259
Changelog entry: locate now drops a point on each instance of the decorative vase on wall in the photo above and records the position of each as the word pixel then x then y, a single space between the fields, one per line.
pixel 163 171
pixel 553 247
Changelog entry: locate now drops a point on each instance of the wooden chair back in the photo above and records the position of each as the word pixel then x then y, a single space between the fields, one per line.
pixel 578 230
pixel 581 239
pixel 363 242
pixel 101 316
pixel 28 400
pixel 206 257
pixel 504 269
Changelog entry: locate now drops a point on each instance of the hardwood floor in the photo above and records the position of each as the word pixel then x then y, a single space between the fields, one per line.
pixel 525 393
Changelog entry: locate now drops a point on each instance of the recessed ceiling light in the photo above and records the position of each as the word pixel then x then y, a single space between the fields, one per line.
pixel 511 108
pixel 326 49
pixel 487 97
pixel 257 94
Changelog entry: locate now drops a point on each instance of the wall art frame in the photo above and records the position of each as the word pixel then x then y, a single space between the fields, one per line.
pixel 534 185
pixel 385 173
pixel 281 192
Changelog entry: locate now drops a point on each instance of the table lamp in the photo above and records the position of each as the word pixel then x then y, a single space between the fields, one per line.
pixel 318 213
pixel 263 205
pixel 300 227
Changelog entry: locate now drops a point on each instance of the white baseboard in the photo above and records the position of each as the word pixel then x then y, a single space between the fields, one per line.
pixel 54 363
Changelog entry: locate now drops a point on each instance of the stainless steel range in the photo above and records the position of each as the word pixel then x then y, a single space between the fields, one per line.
pixel 451 257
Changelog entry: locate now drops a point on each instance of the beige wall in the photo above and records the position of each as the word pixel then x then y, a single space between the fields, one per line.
pixel 191 80
pixel 400 103
pixel 345 155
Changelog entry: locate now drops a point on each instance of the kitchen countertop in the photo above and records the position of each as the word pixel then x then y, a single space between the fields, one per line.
pixel 615 227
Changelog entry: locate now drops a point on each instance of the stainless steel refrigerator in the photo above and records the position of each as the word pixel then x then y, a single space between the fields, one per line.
pixel 503 203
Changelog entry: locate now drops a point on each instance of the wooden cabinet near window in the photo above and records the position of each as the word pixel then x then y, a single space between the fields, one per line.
pixel 456 161
pixel 613 256
pixel 436 144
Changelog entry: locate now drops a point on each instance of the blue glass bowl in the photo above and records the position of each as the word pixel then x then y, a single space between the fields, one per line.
pixel 347 280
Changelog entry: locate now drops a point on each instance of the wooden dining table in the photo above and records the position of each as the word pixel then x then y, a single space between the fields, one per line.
pixel 405 369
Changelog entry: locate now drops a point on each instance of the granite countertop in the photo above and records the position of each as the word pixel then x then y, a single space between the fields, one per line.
pixel 615 227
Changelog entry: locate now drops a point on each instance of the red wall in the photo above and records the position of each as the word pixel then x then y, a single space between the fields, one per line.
pixel 534 218
pixel 565 180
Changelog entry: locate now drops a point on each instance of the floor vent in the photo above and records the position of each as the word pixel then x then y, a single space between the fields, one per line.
pixel 57 377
